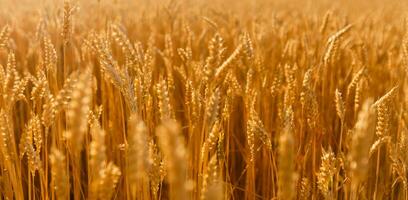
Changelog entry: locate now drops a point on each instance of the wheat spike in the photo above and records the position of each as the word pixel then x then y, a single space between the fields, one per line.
pixel 67 22
pixel 377 144
pixel 4 36
pixel 326 172
pixel 333 44
pixel 78 110
pixel 305 189
pixel 227 63
pixel 59 174
pixel 211 185
pixel 340 107
pixel 172 145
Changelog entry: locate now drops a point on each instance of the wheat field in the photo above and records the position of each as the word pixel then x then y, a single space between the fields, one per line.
pixel 203 99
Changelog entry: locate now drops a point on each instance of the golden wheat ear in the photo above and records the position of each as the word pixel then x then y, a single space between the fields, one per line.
pixel 172 145
pixel 59 174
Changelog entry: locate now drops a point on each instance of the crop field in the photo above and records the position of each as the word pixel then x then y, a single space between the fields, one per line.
pixel 203 99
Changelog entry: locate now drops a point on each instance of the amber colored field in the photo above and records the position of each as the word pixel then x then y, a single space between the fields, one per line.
pixel 203 99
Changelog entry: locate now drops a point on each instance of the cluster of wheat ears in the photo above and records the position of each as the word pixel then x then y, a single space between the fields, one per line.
pixel 206 100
